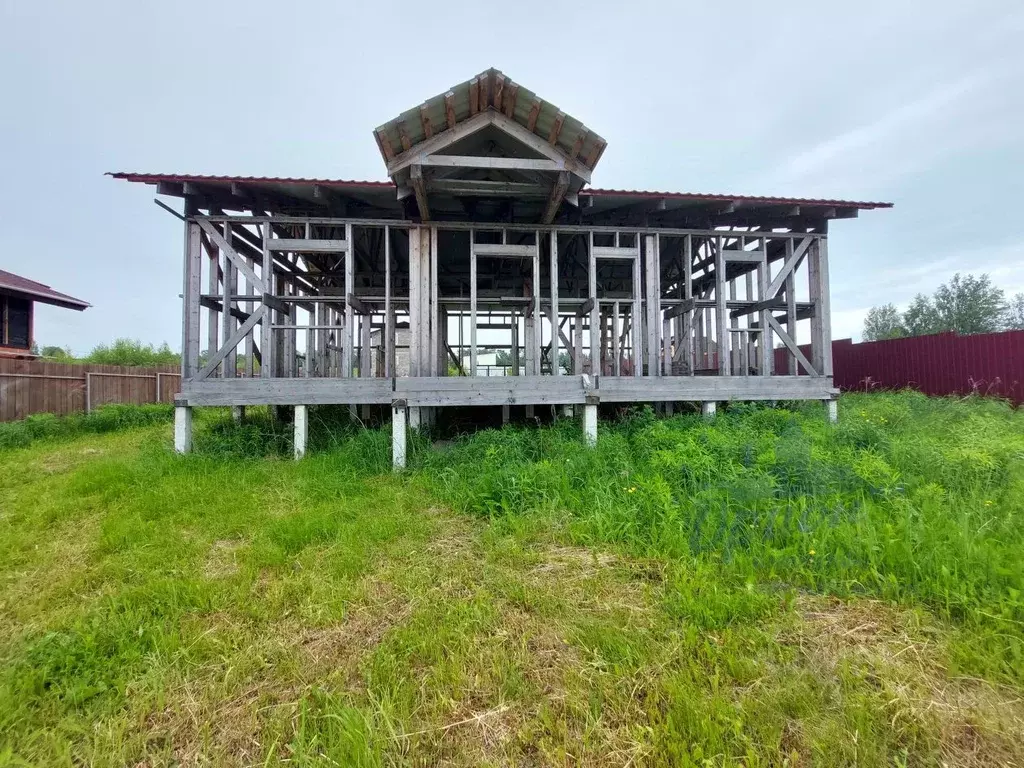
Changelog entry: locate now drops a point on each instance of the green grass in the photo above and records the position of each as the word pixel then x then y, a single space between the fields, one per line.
pixel 765 589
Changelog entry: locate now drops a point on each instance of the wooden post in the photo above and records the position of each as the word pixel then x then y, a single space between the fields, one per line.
pixel 398 436
pixel 821 331
pixel 301 430
pixel 652 268
pixel 555 349
pixel 595 313
pixel 636 315
pixel 228 321
pixel 721 311
pixel 616 351
pixel 389 315
pixel 182 428
pixel 266 332
pixel 689 348
pixel 212 287
pixel 190 302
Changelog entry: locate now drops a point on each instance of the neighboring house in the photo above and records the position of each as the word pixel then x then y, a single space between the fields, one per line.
pixel 18 296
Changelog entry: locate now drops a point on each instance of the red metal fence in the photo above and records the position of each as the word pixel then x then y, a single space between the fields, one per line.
pixel 941 364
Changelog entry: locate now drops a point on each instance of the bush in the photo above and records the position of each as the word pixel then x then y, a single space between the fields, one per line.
pixel 106 418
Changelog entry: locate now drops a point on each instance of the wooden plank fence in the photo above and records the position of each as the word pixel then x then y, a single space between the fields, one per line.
pixel 34 386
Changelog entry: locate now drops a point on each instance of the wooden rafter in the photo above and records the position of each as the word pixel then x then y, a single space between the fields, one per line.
pixel 428 128
pixel 474 97
pixel 510 99
pixel 558 191
pixel 384 143
pixel 499 87
pixel 419 187
pixel 403 134
pixel 531 120
pixel 595 153
pixel 578 144
pixel 449 109
pixel 556 129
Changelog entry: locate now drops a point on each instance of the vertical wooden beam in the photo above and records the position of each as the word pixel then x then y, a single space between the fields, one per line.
pixel 595 310
pixel 228 321
pixel 190 301
pixel 388 342
pixel 687 318
pixel 250 341
pixel 472 304
pixel 438 360
pixel 212 288
pixel 555 351
pixel 616 351
pixel 793 368
pixel 348 340
pixel 721 311
pixel 537 341
pixel 767 362
pixel 636 312
pixel 822 317
pixel 652 264
pixel 365 357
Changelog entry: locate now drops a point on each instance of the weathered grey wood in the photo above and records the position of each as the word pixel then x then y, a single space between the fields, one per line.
pixel 615 252
pixel 556 369
pixel 503 251
pixel 558 190
pixel 472 304
pixel 419 188
pixel 501 163
pixel 249 367
pixel 300 245
pixel 266 334
pixel 636 316
pixel 766 362
pixel 750 257
pixel 652 268
pixel 348 334
pixel 218 239
pixel 793 259
pixel 721 319
pixel 711 388
pixel 535 331
pixel 821 330
pixel 389 318
pixel 687 323
pixel 212 287
pixel 438 363
pixel 498 390
pixel 231 343
pixel 595 312
pixel 793 347
pixel 228 324
pixel 278 391
pixel 616 351
pixel 190 300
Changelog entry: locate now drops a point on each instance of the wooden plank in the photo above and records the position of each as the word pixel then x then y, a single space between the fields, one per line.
pixel 419 188
pixel 558 190
pixel 312 391
pixel 556 369
pixel 721 319
pixel 190 300
pixel 821 334
pixel 228 324
pixel 511 96
pixel 636 316
pixel 744 257
pixel 472 304
pixel 231 343
pixel 498 390
pixel 556 128
pixel 652 268
pixel 428 128
pixel 792 263
pixel 266 335
pixel 711 388
pixel 474 97
pixel 616 252
pixel 348 342
pixel 492 163
pixel 218 239
pixel 449 109
pixel 301 245
pixel 531 119
pixel 595 312
pixel 504 251
pixel 389 315
pixel 793 347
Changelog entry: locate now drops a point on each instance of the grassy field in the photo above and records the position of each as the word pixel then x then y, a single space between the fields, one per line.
pixel 763 590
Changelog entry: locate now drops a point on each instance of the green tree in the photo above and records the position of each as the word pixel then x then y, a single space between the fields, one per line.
pixel 884 322
pixel 1015 313
pixel 921 317
pixel 132 352
pixel 969 304
pixel 503 357
pixel 57 353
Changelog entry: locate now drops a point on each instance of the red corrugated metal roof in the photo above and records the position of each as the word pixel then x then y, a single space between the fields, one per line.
pixel 154 178
pixel 39 292
pixel 737 198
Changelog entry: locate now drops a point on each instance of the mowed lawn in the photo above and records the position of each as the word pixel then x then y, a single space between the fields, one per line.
pixel 766 589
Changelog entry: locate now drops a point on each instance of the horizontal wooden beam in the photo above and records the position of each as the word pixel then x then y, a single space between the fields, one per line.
pixel 307 246
pixel 504 251
pixel 501 163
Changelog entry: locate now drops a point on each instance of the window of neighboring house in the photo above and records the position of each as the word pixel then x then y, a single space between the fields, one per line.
pixel 14 327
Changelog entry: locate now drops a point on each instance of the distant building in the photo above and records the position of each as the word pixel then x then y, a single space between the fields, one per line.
pixel 18 296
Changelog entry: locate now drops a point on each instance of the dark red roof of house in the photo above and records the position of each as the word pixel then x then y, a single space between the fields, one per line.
pixel 13 283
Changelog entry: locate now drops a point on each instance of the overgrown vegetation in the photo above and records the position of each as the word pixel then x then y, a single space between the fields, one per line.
pixel 105 418
pixel 765 589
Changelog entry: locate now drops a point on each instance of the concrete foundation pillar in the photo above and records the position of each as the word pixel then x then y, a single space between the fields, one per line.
pixel 182 429
pixel 504 415
pixel 832 411
pixel 415 421
pixel 301 430
pixel 398 435
pixel 708 409
pixel 567 412
pixel 238 413
pixel 590 425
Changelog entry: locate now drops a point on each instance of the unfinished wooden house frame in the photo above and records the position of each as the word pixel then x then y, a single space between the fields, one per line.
pixel 487 238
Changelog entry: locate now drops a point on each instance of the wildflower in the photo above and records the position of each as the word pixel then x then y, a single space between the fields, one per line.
pixel 632 489
pixel 988 502
pixel 811 552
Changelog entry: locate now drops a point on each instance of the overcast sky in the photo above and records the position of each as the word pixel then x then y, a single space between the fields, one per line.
pixel 919 103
